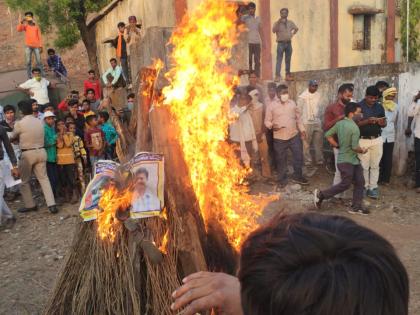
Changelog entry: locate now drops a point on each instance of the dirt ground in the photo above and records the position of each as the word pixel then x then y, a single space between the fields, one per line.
pixel 34 250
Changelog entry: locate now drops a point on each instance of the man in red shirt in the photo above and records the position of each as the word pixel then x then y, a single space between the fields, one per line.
pixel 33 43
pixel 333 114
pixel 92 83
pixel 64 104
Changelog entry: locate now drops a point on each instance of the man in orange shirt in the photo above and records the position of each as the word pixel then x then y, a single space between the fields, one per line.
pixel 33 42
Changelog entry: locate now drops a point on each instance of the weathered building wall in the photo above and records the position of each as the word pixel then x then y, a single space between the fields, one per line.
pixel 153 14
pixel 405 77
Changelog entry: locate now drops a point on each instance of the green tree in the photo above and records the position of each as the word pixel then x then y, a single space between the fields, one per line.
pixel 413 36
pixel 68 18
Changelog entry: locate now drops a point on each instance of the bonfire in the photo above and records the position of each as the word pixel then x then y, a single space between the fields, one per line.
pixel 208 210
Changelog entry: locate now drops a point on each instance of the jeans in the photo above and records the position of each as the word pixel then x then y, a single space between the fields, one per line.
pixel 255 58
pixel 5 212
pixel 28 60
pixel 370 160
pixel 53 176
pixel 125 70
pixel 385 166
pixel 280 149
pixel 349 174
pixel 315 137
pixel 283 48
pixel 417 154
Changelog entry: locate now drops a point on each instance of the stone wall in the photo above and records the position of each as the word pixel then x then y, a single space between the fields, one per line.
pixel 405 77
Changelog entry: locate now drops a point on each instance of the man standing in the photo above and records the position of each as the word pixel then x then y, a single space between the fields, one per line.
pixel 284 118
pixel 309 104
pixel 33 42
pixel 370 138
pixel 348 135
pixel 414 115
pixel 333 114
pixel 6 216
pixel 37 88
pixel 30 132
pixel 284 30
pixel 253 24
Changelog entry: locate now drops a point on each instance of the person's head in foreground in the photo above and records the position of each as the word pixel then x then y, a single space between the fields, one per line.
pixel 283 93
pixel 271 90
pixel 372 95
pixel 36 74
pixel 92 121
pixel 321 265
pixel 305 264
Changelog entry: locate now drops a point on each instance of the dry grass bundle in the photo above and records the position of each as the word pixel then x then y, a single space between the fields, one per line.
pixel 99 276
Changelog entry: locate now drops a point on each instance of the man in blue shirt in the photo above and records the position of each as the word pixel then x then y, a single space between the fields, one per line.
pixel 371 124
pixel 55 63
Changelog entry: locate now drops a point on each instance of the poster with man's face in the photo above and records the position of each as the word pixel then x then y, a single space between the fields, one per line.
pixel 148 178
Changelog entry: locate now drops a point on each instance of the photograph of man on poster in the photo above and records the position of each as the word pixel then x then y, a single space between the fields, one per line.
pixel 144 197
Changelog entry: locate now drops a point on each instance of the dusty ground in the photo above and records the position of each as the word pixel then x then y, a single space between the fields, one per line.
pixel 32 253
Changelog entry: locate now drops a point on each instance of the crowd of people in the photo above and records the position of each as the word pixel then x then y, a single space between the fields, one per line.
pixel 361 134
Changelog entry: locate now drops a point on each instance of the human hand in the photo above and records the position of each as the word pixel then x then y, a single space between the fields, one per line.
pixel 372 120
pixel 15 172
pixel 363 150
pixel 207 290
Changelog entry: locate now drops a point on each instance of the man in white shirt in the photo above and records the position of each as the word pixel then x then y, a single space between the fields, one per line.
pixel 37 88
pixel 143 199
pixel 116 72
pixel 414 115
pixel 309 105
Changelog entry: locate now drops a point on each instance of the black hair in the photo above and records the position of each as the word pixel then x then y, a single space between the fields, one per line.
pixel 74 92
pixel 284 9
pixel 113 59
pixel 281 87
pixel 382 84
pixel 272 85
pixel 346 87
pixel 90 118
pixel 90 90
pixel 252 72
pixel 372 91
pixel 309 263
pixel 131 95
pixel 251 5
pixel 104 115
pixel 73 102
pixel 36 70
pixel 29 13
pixel 9 108
pixel 144 171
pixel 25 107
pixel 86 101
pixel 50 50
pixel 121 24
pixel 91 71
pixel 32 100
pixel 350 108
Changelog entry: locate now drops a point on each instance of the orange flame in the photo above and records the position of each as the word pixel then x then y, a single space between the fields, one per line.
pixel 199 94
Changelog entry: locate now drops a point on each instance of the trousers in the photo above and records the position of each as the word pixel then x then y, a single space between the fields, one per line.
pixel 417 154
pixel 349 174
pixel 28 60
pixel 255 58
pixel 35 161
pixel 53 176
pixel 370 160
pixel 385 166
pixel 5 212
pixel 314 138
pixel 283 48
pixel 280 149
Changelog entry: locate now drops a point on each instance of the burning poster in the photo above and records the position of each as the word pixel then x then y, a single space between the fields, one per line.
pixel 139 182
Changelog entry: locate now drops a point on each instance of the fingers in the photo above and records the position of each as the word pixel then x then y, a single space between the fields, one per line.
pixel 202 304
pixel 197 275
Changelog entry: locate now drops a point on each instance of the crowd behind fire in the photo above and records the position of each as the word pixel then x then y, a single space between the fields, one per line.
pixel 60 145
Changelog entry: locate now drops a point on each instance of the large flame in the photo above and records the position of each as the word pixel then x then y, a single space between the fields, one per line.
pixel 199 95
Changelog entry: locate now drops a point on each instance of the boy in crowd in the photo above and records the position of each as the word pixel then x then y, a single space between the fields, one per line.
pixel 126 112
pixel 50 144
pixel 66 163
pixel 371 125
pixel 91 97
pixel 64 104
pixel 86 110
pixel 348 163
pixel 94 140
pixel 55 63
pixel 111 135
pixel 78 118
pixel 80 155
pixel 92 83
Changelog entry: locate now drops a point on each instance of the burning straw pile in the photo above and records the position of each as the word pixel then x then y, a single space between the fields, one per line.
pixel 208 212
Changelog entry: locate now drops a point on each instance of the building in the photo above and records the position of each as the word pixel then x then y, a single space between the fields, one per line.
pixel 332 33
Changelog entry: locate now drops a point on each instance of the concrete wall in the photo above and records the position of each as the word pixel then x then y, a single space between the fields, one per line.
pixel 405 77
pixel 153 14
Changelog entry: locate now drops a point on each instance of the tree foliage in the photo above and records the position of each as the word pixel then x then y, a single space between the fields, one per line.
pixel 63 15
pixel 414 26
